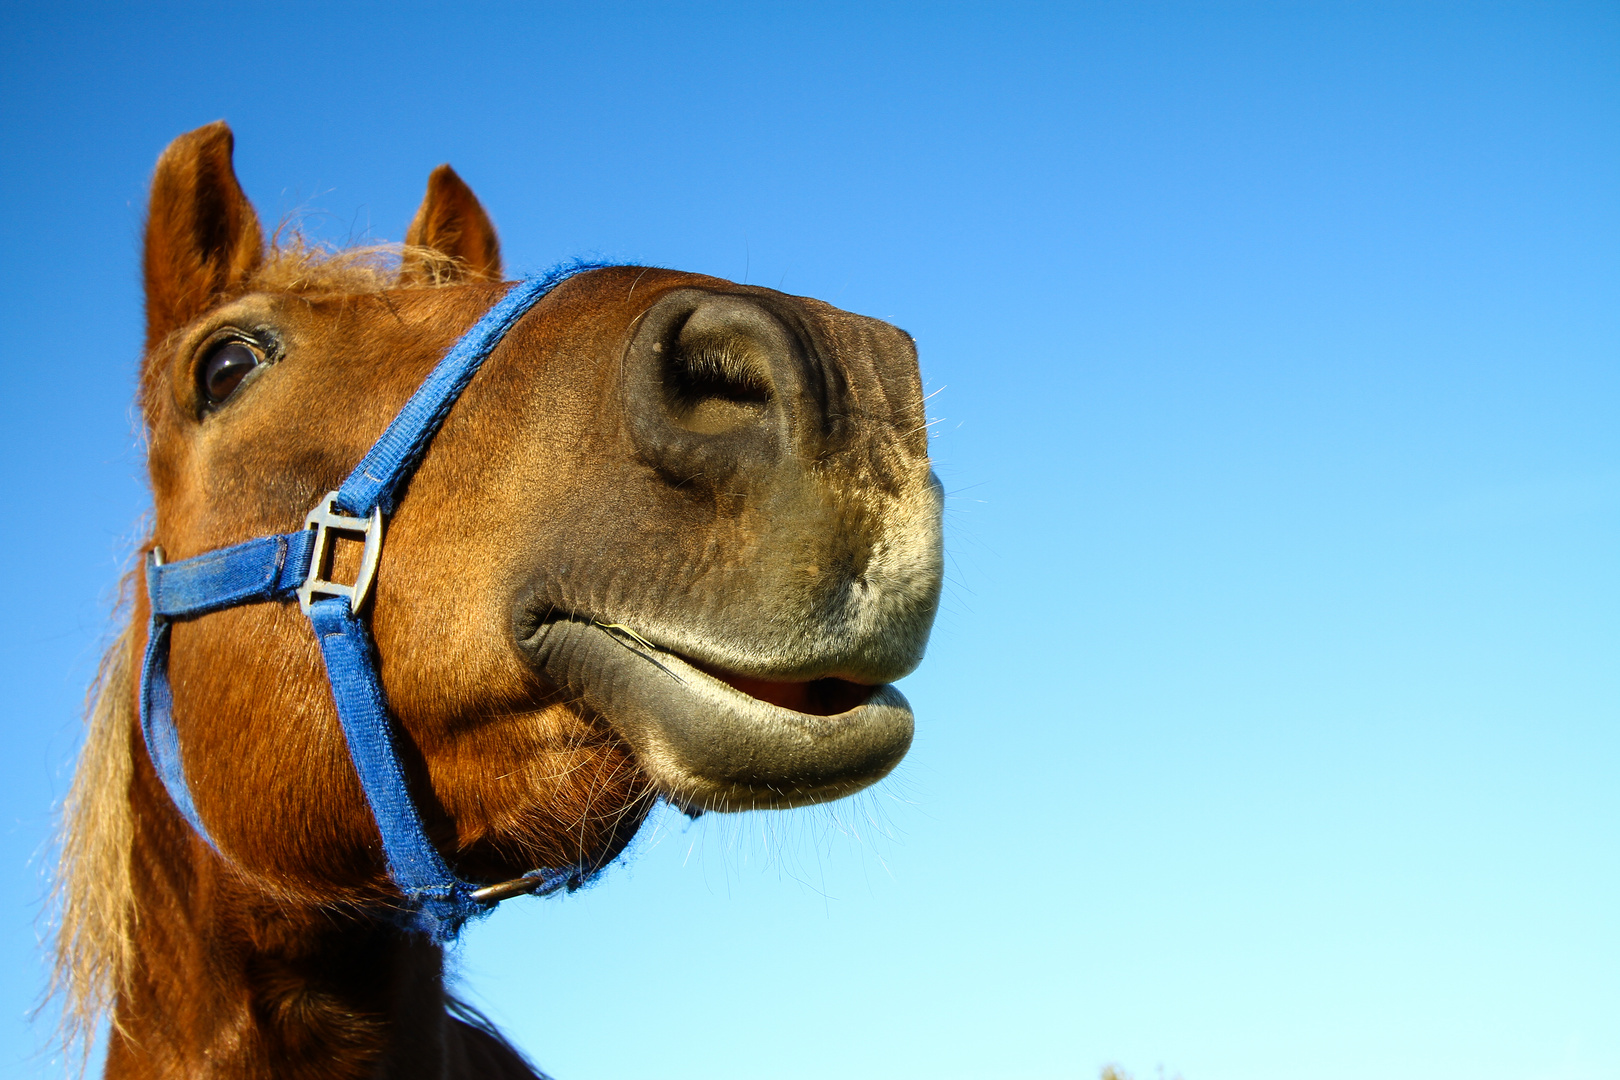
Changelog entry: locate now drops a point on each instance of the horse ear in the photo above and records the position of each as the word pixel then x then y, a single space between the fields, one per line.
pixel 202 236
pixel 452 222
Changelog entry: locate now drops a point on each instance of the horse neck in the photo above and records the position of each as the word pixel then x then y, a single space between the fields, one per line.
pixel 226 982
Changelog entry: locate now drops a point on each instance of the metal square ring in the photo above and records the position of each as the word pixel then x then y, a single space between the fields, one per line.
pixel 326 519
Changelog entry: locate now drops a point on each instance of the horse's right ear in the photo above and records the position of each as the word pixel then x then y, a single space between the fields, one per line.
pixel 450 221
pixel 202 236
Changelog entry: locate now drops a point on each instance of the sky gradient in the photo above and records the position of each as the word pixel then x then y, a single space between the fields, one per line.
pixel 1269 728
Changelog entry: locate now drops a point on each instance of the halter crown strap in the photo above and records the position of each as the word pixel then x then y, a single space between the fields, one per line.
pixel 280 567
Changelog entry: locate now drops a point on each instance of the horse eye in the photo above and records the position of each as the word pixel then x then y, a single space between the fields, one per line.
pixel 225 368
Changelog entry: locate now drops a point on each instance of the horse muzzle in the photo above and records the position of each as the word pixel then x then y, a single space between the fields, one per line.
pixel 758 557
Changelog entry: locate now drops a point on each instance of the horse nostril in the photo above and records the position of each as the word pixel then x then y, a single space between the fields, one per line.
pixel 714 387
pixel 714 382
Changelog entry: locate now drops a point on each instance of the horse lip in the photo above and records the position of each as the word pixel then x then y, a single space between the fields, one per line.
pixel 706 745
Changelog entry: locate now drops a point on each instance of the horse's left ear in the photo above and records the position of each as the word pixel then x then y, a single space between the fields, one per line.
pixel 452 222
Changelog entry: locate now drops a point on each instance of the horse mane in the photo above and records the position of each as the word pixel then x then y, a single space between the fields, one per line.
pixel 91 894
pixel 295 263
pixel 91 897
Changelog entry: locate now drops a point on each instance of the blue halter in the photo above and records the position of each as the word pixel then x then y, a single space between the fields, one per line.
pixel 437 902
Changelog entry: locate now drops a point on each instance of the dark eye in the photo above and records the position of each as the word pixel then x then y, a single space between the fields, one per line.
pixel 225 368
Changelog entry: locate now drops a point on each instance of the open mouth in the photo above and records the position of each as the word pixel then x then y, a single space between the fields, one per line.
pixel 817 697
pixel 711 739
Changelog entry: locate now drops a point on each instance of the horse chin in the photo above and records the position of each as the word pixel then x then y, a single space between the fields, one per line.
pixel 715 740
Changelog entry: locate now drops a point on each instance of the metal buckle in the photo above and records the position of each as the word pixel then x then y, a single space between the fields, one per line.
pixel 325 520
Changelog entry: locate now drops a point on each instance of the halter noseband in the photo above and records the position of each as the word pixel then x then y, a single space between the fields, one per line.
pixel 281 567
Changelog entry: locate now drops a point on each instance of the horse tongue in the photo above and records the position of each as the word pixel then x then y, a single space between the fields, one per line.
pixel 787 695
pixel 821 697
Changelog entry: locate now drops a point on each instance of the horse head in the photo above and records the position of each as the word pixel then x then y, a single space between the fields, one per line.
pixel 675 540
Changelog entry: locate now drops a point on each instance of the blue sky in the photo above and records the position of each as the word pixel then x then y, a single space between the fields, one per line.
pixel 1269 728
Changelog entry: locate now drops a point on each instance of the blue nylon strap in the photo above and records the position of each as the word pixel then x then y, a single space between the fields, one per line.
pixel 272 568
pixel 440 902
pixel 393 457
pixel 157 725
pixel 269 568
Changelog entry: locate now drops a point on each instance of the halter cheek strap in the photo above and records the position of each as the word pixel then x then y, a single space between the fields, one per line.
pixel 279 568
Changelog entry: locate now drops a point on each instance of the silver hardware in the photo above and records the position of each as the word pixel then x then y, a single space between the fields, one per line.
pixel 325 519
pixel 494 894
pixel 157 555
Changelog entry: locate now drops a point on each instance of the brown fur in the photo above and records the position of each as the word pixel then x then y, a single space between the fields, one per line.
pixel 275 956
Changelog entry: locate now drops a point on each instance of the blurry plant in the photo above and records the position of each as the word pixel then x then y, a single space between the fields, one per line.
pixel 1114 1072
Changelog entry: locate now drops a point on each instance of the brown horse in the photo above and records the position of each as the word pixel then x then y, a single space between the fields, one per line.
pixel 673 541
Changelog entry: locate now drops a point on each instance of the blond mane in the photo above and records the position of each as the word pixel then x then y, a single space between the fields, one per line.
pixel 91 894
pixel 294 263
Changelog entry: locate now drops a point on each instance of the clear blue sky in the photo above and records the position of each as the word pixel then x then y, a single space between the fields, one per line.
pixel 1269 729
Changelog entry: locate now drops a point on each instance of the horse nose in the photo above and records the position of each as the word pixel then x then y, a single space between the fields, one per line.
pixel 714 387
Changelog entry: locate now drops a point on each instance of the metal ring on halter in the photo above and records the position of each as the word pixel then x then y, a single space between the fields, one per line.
pixel 326 520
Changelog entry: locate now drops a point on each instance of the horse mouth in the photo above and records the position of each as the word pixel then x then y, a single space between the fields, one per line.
pixel 713 739
pixel 826 696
